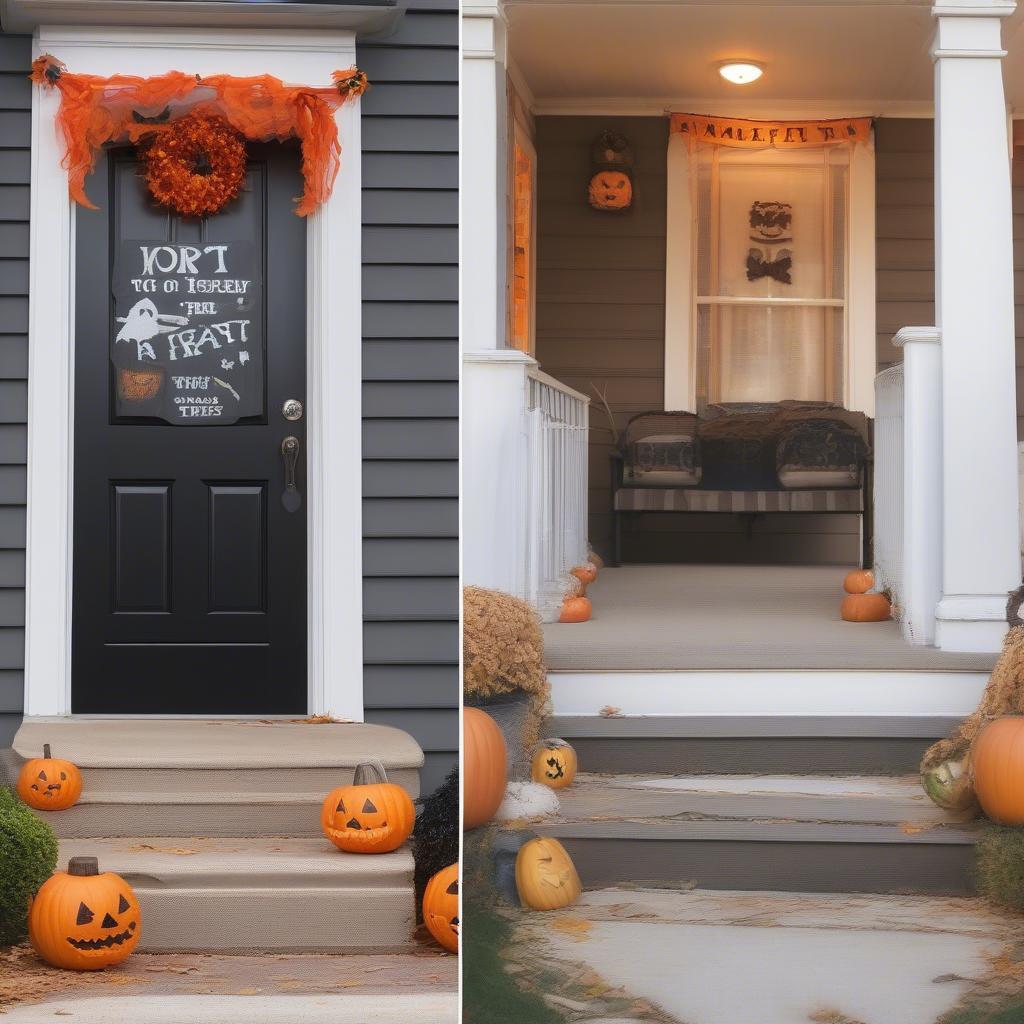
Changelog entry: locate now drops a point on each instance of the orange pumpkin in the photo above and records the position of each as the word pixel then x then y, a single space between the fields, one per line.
pixel 441 907
pixel 576 609
pixel 49 783
pixel 546 877
pixel 859 581
pixel 865 608
pixel 586 574
pixel 84 920
pixel 610 190
pixel 484 767
pixel 997 763
pixel 371 815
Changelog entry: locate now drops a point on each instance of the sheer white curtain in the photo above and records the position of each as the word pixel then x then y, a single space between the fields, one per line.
pixel 779 218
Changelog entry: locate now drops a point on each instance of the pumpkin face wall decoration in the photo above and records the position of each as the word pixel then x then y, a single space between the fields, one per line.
pixel 554 764
pixel 370 816
pixel 441 907
pixel 84 920
pixel 611 178
pixel 49 783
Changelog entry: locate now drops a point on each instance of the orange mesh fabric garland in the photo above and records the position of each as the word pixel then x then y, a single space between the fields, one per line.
pixel 95 110
pixel 196 166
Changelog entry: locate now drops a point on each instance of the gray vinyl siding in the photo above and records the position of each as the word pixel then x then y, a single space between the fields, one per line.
pixel 410 381
pixel 601 321
pixel 15 137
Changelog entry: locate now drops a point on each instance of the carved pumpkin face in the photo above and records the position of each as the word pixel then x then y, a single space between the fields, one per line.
pixel 546 877
pixel 441 907
pixel 370 816
pixel 554 764
pixel 610 190
pixel 49 783
pixel 83 920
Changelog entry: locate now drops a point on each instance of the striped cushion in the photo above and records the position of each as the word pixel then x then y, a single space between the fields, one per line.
pixel 659 499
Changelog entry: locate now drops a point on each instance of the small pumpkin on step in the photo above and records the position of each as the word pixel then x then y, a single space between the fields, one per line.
pixel 49 783
pixel 859 605
pixel 370 816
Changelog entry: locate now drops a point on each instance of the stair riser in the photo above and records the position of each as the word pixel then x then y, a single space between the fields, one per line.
pixel 925 868
pixel 281 920
pixel 85 820
pixel 315 781
pixel 760 755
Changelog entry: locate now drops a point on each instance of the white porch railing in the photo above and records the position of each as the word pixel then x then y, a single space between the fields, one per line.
pixel 889 479
pixel 556 520
pixel 908 482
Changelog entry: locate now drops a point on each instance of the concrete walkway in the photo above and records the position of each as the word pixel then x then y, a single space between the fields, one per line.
pixel 712 957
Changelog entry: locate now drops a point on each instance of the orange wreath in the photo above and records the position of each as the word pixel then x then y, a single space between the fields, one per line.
pixel 196 165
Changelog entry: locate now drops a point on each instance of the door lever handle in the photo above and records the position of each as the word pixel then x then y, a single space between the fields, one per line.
pixel 291 499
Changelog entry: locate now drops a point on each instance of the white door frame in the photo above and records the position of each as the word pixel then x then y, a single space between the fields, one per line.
pixel 333 344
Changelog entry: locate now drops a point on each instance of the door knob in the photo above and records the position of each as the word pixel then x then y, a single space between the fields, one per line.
pixel 292 409
pixel 291 499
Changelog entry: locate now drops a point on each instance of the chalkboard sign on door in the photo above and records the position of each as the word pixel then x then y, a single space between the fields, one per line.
pixel 186 341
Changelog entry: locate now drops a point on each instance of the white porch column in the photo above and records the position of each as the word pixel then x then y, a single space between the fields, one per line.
pixel 482 192
pixel 974 309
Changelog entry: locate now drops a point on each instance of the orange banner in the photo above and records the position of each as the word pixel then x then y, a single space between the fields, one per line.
pixel 734 131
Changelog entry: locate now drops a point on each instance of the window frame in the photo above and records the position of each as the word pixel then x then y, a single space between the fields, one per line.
pixel 859 359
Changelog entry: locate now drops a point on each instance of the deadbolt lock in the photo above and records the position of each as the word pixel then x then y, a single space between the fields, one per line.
pixel 292 409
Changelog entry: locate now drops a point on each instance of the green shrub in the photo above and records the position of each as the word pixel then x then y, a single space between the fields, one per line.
pixel 1000 866
pixel 28 856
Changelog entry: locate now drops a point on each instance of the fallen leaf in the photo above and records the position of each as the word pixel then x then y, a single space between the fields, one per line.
pixel 608 711
pixel 578 927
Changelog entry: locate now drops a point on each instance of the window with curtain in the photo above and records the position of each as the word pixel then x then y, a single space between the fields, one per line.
pixel 771 268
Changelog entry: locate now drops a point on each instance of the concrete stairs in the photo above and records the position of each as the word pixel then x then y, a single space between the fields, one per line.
pixel 215 824
pixel 668 807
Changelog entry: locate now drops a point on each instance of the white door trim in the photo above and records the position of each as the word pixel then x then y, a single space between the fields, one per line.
pixel 333 338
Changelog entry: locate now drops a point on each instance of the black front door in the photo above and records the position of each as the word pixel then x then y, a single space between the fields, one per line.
pixel 189 544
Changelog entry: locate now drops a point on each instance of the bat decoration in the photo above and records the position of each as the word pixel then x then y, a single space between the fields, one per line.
pixel 778 269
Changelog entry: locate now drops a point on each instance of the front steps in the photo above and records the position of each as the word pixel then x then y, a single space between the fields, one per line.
pixel 216 826
pixel 795 834
pixel 289 895
pixel 843 744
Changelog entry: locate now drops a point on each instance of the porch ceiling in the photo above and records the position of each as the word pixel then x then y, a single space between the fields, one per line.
pixel 646 56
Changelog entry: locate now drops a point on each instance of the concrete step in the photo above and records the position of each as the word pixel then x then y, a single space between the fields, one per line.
pixel 185 777
pixel 721 743
pixel 791 833
pixel 267 895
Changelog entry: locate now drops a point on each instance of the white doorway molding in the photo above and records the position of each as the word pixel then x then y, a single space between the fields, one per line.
pixel 333 334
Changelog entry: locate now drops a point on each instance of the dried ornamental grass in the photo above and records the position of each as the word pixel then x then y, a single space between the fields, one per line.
pixel 1000 866
pixel 503 646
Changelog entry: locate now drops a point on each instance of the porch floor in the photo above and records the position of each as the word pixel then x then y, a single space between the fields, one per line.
pixel 719 617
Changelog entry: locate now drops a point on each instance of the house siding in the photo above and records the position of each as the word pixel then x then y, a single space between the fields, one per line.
pixel 410 381
pixel 410 378
pixel 15 139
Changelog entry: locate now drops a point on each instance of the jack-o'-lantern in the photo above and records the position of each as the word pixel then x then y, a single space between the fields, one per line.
pixel 546 877
pixel 554 764
pixel 441 907
pixel 49 783
pixel 610 190
pixel 83 920
pixel 370 816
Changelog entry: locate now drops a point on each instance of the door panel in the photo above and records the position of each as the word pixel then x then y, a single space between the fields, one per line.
pixel 189 573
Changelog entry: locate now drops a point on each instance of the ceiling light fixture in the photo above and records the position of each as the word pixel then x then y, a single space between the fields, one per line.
pixel 740 72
